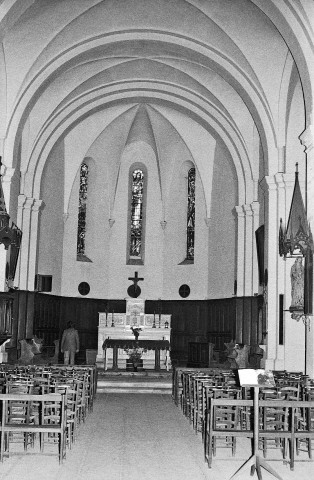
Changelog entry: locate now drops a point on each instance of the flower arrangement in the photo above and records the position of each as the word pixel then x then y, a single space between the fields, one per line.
pixel 135 354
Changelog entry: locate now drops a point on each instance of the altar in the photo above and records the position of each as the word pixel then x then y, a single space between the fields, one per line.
pixel 117 345
pixel 115 337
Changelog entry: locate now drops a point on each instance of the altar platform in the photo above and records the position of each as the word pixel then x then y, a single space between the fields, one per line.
pixel 147 382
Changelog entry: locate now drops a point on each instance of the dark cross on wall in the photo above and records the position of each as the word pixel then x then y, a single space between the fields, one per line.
pixel 134 290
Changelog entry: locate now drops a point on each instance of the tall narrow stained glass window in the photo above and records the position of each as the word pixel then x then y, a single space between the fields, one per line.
pixel 190 232
pixel 136 229
pixel 81 230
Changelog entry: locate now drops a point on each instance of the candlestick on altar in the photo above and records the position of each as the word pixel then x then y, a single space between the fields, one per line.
pixel 159 311
pixel 154 322
pixel 112 323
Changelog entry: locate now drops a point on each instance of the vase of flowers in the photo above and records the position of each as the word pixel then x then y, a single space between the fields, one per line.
pixel 135 357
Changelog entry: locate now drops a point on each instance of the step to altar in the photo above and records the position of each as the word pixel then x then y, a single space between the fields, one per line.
pixel 134 382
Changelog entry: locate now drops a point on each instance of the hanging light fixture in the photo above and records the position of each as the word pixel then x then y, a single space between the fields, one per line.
pixel 297 242
pixel 297 238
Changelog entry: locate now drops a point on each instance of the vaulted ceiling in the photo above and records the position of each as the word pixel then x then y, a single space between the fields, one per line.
pixel 237 69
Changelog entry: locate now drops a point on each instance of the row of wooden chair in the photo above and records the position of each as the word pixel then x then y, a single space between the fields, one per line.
pixel 29 404
pixel 218 407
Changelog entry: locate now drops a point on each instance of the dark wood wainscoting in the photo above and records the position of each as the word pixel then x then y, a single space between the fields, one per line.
pixel 193 321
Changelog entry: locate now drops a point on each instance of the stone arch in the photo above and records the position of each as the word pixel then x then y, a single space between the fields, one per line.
pixel 198 109
pixel 294 32
pixel 242 83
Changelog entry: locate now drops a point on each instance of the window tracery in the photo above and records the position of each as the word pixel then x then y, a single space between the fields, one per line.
pixel 190 229
pixel 136 225
pixel 81 230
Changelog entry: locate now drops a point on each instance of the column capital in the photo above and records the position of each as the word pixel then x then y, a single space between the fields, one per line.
pixel 268 183
pixel 239 211
pixel 255 207
pixel 307 138
pixel 21 200
pixel 37 204
pixel 247 210
pixel 7 174
pixel 285 179
pixel 29 202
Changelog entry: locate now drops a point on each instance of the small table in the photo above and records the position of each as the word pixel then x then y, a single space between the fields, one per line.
pixel 116 343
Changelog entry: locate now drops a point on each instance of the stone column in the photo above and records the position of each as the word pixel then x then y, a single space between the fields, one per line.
pixel 271 261
pixel 251 213
pixel 32 259
pixel 248 242
pixel 285 185
pixel 255 206
pixel 307 139
pixel 240 251
pixel 24 217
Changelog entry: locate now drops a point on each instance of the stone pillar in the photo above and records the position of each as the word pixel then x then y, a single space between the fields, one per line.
pixel 248 264
pixel 32 259
pixel 255 206
pixel 240 251
pixel 271 261
pixel 251 213
pixel 285 185
pixel 24 217
pixel 307 139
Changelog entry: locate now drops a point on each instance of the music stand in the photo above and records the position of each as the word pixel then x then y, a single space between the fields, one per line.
pixel 256 379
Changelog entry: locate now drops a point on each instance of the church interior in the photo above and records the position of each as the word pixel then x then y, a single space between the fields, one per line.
pixel 157 184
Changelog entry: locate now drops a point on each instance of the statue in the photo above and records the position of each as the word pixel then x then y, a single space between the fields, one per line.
pixel 297 284
pixel 242 358
pixel 136 332
pixel 29 348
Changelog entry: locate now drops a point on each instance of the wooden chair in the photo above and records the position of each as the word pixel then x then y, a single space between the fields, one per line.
pixel 274 421
pixel 48 424
pixel 19 411
pixel 223 423
pixel 305 422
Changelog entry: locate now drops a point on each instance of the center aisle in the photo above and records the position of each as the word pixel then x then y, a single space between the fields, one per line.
pixel 137 437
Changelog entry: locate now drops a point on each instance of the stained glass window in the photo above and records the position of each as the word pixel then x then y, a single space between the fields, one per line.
pixel 136 230
pixel 81 230
pixel 190 234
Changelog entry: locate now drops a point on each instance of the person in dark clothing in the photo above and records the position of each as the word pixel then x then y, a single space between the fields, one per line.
pixel 70 344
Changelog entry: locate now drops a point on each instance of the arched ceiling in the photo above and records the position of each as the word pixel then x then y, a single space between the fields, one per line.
pixel 219 62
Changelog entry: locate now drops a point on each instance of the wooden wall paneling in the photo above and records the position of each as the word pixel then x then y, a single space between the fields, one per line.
pixel 254 321
pixel 21 320
pixel 47 318
pixel 30 308
pixel 247 316
pixel 192 320
pixel 239 320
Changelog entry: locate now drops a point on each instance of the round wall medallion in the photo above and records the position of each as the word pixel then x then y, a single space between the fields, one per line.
pixel 84 288
pixel 134 291
pixel 184 291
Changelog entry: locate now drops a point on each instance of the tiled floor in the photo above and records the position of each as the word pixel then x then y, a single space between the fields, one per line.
pixel 138 437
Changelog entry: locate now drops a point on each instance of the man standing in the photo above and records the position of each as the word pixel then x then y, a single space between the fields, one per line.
pixel 70 344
